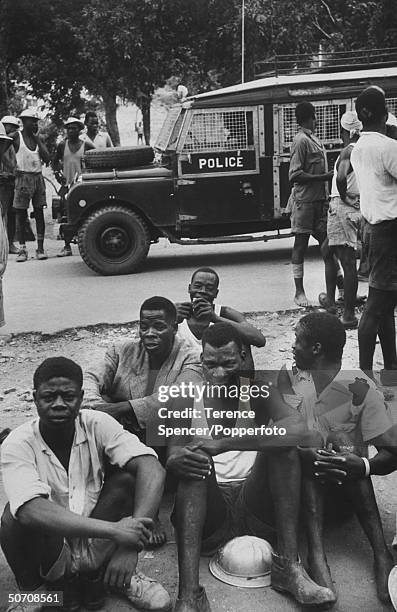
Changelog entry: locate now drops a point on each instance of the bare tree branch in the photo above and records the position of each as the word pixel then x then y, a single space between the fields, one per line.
pixel 331 17
pixel 320 29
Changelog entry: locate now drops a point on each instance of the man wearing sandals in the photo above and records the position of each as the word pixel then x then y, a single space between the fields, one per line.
pixel 82 494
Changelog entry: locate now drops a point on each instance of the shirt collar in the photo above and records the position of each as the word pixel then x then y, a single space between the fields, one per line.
pixel 80 434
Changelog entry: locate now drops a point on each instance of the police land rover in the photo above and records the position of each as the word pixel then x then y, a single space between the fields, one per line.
pixel 219 169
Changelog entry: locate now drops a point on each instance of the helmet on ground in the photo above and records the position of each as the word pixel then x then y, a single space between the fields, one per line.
pixel 244 562
pixel 10 119
pixel 392 586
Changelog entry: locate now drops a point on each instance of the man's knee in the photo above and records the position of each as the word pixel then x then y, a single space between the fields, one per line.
pixel 120 481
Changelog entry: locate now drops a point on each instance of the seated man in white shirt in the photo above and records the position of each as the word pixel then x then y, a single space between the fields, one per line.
pixel 74 521
pixel 344 413
pixel 200 312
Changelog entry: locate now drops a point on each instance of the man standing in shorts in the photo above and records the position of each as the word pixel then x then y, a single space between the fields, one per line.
pixel 29 182
pixel 344 216
pixel 374 160
pixel 8 168
pixel 308 172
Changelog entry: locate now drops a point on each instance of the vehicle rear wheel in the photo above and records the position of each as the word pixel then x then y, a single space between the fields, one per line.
pixel 119 157
pixel 114 240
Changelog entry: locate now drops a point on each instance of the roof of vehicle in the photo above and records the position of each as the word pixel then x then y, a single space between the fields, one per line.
pixel 297 85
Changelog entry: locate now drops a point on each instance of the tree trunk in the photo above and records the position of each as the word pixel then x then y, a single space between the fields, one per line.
pixel 3 89
pixel 145 108
pixel 110 104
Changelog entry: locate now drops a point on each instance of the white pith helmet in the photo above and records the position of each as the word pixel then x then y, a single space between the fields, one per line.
pixel 11 120
pixel 244 562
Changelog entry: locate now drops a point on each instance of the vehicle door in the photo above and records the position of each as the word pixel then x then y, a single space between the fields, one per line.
pixel 218 166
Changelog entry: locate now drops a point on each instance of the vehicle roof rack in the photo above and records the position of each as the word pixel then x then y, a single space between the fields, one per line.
pixel 323 62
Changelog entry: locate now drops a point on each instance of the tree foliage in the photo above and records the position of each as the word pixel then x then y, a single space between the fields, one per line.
pixel 128 48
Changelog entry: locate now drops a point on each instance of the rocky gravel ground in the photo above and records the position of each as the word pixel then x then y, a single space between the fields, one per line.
pixel 349 555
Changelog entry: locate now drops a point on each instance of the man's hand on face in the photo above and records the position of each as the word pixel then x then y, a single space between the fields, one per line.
pixel 336 467
pixel 133 533
pixel 202 309
pixel 189 464
pixel 121 568
pixel 118 411
pixel 184 311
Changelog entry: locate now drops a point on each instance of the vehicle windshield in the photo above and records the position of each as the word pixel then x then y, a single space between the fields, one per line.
pixel 169 132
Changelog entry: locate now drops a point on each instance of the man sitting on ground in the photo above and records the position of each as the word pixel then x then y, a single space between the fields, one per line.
pixel 344 410
pixel 196 316
pixel 126 384
pixel 250 482
pixel 72 519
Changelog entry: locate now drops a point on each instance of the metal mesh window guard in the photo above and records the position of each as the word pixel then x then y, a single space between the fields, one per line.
pixel 392 105
pixel 328 123
pixel 220 130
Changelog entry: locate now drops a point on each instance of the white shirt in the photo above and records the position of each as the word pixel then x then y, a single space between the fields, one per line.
pixel 352 187
pixel 186 334
pixel 27 160
pixel 31 469
pixel 101 141
pixel 374 160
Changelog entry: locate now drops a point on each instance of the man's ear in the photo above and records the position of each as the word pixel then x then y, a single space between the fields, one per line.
pixel 317 348
pixel 81 395
pixel 189 287
pixel 34 395
pixel 243 355
pixel 216 294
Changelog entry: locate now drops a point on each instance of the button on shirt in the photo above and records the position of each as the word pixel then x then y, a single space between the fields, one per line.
pixel 308 155
pixel 31 469
pixel 374 160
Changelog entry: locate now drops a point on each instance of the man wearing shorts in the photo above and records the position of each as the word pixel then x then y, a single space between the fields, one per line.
pixel 240 485
pixel 308 172
pixel 82 494
pixel 344 216
pixel 374 161
pixel 29 182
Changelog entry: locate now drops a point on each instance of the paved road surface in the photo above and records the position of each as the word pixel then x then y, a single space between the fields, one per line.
pixel 62 293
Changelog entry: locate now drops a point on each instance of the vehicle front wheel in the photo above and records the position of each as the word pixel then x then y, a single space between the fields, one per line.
pixel 114 240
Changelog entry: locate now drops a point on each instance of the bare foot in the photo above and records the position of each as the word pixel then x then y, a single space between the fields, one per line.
pixel 158 537
pixel 319 571
pixel 300 299
pixel 382 568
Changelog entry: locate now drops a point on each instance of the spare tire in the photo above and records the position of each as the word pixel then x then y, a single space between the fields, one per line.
pixel 119 157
